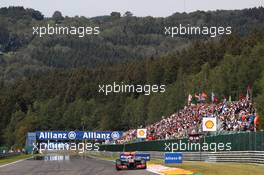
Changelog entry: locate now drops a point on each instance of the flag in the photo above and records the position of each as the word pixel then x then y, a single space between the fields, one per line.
pixel 197 96
pixel 216 100
pixel 241 96
pixel 249 93
pixel 213 97
pixel 224 99
pixel 204 95
pixel 256 122
pixel 247 96
pixel 189 99
pixel 224 108
pixel 141 133
pixel 209 124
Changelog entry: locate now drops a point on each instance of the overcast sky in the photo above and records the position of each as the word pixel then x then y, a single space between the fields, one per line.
pixel 90 8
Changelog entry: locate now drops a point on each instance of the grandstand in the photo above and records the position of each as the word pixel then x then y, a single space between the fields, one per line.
pixel 231 117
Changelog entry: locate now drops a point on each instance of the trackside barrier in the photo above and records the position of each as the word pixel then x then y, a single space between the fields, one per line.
pixel 229 156
pixel 243 141
pixel 8 155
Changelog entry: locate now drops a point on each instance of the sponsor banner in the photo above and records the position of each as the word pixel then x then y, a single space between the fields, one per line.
pixel 78 135
pixel 141 133
pixel 209 124
pixel 145 156
pixel 173 158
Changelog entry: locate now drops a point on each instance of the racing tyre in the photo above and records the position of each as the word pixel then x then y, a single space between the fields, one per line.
pixel 118 163
pixel 143 162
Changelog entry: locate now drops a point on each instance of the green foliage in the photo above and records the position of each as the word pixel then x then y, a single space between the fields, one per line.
pixel 18 13
pixel 115 15
pixel 52 83
pixel 57 16
pixel 121 39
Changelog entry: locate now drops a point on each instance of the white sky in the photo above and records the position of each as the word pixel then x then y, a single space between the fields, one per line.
pixel 91 8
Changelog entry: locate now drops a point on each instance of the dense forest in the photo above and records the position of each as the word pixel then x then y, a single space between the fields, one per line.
pixel 51 83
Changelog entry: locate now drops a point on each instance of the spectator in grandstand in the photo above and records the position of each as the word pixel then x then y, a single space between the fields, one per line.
pixel 232 116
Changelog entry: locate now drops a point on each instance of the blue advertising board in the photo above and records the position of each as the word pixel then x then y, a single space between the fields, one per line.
pixel 144 156
pixel 78 135
pixel 173 158
pixel 31 138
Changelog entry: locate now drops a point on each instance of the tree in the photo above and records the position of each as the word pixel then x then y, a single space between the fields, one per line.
pixel 57 16
pixel 36 14
pixel 128 14
pixel 4 35
pixel 115 15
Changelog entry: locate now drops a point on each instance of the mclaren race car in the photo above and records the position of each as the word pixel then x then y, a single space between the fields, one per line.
pixel 131 160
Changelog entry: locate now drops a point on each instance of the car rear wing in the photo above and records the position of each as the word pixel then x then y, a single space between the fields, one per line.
pixel 145 156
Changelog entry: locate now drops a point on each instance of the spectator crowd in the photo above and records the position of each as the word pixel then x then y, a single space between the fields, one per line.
pixel 231 116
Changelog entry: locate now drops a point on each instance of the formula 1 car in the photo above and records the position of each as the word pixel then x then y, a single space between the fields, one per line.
pixel 130 160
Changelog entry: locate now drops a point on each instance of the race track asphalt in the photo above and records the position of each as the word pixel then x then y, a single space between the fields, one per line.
pixel 73 166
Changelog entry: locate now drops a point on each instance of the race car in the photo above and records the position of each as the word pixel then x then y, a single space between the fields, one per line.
pixel 130 160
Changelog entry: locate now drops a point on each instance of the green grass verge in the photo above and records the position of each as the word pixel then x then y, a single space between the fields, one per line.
pixel 14 158
pixel 207 168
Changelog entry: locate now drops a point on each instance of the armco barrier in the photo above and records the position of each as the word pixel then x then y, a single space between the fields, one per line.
pixel 244 141
pixel 230 156
pixel 227 156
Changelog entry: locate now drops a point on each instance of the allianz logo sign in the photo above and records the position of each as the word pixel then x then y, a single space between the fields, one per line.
pixel 173 158
pixel 51 135
pixel 78 135
pixel 72 135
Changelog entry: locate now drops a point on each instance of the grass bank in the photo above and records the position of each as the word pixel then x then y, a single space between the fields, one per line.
pixel 11 159
pixel 207 168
